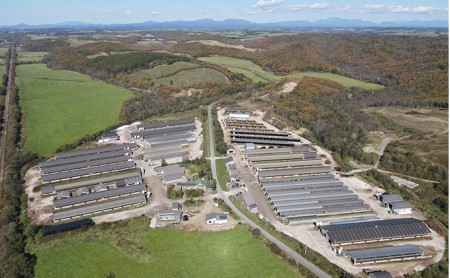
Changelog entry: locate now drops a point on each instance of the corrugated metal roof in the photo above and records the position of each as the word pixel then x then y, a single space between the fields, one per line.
pixel 263 142
pixel 89 157
pixel 277 157
pixel 372 230
pixel 99 195
pixel 295 179
pixel 295 171
pixel 258 152
pixel 149 132
pixel 98 207
pixel 400 205
pixel 385 252
pixel 286 164
pixel 86 164
pixel 161 124
pixel 97 150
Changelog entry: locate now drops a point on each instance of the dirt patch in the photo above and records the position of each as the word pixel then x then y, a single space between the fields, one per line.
pixel 40 208
pixel 221 44
pixel 425 120
pixel 289 87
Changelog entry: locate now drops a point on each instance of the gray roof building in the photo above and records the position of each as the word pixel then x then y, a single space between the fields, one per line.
pixel 176 206
pixel 380 274
pixel 250 202
pixel 228 160
pixel 172 178
pixel 371 231
pixel 82 191
pixel 385 254
pixel 63 194
pixel 386 198
pixel 101 187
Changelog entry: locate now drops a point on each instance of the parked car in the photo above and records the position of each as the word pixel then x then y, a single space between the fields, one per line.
pixel 185 217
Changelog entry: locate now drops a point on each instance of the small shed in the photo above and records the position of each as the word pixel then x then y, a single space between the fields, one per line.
pixel 401 207
pixel 82 191
pixel 63 194
pixel 228 160
pixel 121 183
pixel 380 274
pixel 249 146
pixel 101 187
pixel 250 202
pixel 230 149
pixel 176 206
pixel 387 198
pixel 169 215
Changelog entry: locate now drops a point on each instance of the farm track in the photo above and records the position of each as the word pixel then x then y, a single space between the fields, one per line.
pixel 6 112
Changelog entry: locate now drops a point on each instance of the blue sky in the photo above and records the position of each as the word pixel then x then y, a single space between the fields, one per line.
pixel 114 11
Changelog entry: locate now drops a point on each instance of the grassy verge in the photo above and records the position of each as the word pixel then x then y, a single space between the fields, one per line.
pixel 222 174
pixel 130 249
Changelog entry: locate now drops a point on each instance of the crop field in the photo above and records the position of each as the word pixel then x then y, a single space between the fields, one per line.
pixel 3 51
pixel 131 249
pixel 251 70
pixel 164 70
pixel 2 69
pixel 62 106
pixel 194 77
pixel 30 56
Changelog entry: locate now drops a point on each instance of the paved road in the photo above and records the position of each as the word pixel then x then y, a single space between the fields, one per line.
pixel 280 244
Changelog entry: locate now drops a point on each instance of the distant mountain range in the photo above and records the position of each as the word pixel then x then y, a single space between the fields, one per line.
pixel 240 24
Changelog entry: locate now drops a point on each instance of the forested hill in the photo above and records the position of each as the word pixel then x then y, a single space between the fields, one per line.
pixel 417 66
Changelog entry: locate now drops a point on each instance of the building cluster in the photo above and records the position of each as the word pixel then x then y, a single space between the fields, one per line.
pixel 92 194
pixel 298 185
pixel 167 140
pixel 395 203
pixel 77 164
pixel 368 231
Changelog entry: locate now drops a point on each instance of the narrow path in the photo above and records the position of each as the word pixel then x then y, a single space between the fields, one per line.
pixel 280 244
pixel 6 111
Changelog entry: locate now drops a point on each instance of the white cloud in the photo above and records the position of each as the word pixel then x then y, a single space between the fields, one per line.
pixel 346 8
pixel 318 6
pixel 129 12
pixel 381 8
pixel 260 11
pixel 415 10
pixel 155 13
pixel 267 3
pixel 302 7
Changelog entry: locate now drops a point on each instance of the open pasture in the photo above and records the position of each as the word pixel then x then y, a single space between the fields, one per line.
pixel 30 56
pixel 62 106
pixel 164 70
pixel 131 249
pixel 251 70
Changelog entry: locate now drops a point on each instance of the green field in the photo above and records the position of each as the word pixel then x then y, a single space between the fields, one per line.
pixel 3 51
pixel 62 106
pixel 163 70
pixel 131 249
pixel 222 173
pixel 30 56
pixel 255 78
pixel 193 77
pixel 2 69
pixel 252 70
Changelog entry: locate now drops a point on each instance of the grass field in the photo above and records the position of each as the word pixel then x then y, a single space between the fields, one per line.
pixel 163 70
pixel 3 51
pixel 193 77
pixel 255 78
pixel 131 249
pixel 30 56
pixel 222 174
pixel 2 69
pixel 251 70
pixel 62 106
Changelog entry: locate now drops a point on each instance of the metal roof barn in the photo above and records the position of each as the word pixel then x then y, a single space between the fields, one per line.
pixel 264 151
pixel 287 164
pixel 98 207
pixel 263 142
pixel 385 254
pixel 99 150
pixel 293 172
pixel 161 124
pixel 87 172
pixel 294 179
pixel 89 157
pixel 48 189
pixel 375 230
pixel 96 196
pixel 278 157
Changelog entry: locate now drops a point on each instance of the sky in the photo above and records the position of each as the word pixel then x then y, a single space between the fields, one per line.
pixel 131 11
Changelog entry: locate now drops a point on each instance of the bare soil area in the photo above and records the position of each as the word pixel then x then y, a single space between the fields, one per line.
pixel 426 120
pixel 221 44
pixel 39 208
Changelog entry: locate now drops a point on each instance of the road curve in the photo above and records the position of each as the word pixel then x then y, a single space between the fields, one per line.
pixel 280 244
